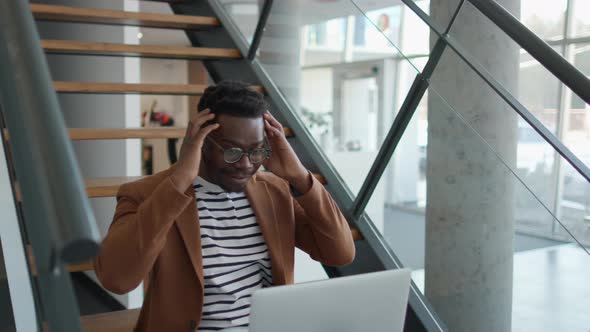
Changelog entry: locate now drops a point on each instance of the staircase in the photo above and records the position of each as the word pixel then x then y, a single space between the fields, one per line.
pixel 217 42
pixel 220 61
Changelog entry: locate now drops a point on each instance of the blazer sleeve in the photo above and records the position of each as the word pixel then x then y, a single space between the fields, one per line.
pixel 137 234
pixel 320 228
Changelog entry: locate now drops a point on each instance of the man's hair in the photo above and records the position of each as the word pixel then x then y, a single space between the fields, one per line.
pixel 233 98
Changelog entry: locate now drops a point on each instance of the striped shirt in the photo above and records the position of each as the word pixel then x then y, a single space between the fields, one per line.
pixel 236 261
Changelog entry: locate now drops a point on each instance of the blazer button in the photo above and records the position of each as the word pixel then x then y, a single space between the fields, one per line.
pixel 192 324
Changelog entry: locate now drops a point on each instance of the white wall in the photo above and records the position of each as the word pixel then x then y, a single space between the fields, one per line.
pixel 169 72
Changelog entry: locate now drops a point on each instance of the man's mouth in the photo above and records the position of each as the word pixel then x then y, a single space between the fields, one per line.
pixel 239 176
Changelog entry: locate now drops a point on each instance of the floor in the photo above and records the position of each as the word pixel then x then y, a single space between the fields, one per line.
pixel 551 290
pixel 551 279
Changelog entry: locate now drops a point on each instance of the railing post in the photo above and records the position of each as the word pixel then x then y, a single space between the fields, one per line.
pixel 260 26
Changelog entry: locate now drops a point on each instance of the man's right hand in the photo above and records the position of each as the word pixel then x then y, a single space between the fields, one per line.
pixel 187 168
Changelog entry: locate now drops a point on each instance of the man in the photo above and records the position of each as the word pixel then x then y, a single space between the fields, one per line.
pixel 210 230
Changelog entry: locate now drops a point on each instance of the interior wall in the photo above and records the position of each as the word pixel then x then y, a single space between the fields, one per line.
pixel 172 72
pixel 167 71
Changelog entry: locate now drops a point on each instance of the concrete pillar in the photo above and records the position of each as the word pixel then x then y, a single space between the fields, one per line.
pixel 470 199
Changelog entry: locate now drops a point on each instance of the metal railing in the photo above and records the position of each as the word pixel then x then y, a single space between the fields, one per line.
pixel 528 40
pixel 554 62
pixel 336 185
pixel 59 221
pixel 260 27
pixel 57 213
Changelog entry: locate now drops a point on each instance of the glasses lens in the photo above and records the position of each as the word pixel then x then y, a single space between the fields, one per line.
pixel 258 155
pixel 232 155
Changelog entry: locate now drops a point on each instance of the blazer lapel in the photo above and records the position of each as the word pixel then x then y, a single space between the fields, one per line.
pixel 190 231
pixel 264 209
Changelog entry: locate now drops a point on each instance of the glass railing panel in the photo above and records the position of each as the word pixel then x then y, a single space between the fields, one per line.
pixel 415 33
pixel 546 18
pixel 392 24
pixel 245 13
pixel 582 59
pixel 580 19
pixel 398 203
pixel 455 174
pixel 399 24
pixel 574 193
pixel 345 80
pixel 534 160
pixel 538 89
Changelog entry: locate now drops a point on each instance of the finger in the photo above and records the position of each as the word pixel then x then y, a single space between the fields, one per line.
pixel 200 115
pixel 274 123
pixel 199 122
pixel 189 130
pixel 202 119
pixel 274 131
pixel 200 137
pixel 268 129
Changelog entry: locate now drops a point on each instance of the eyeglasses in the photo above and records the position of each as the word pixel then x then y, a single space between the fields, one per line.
pixel 233 155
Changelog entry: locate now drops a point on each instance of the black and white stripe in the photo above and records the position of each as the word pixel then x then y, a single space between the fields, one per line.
pixel 236 261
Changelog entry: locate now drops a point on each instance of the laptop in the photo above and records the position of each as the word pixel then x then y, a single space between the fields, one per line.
pixel 366 302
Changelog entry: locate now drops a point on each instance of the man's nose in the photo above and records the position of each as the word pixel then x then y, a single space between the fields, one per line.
pixel 244 162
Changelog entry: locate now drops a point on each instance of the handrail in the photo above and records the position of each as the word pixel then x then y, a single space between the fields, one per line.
pixel 536 47
pixel 59 221
pixel 260 27
pixel 43 152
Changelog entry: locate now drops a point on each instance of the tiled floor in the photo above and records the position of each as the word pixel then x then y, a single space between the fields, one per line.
pixel 551 290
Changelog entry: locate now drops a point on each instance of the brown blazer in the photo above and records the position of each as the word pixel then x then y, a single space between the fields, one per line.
pixel 155 235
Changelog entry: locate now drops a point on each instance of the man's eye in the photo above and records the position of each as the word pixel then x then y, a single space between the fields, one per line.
pixel 234 151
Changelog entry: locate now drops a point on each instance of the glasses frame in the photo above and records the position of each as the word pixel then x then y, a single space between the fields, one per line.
pixel 267 150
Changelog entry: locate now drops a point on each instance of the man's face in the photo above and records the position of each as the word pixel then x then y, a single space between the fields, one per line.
pixel 233 132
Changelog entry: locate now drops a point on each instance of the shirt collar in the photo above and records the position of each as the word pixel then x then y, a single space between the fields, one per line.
pixel 202 185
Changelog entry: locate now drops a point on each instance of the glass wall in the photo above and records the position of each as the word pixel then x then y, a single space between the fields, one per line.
pixel 347 74
pixel 355 69
pixel 564 24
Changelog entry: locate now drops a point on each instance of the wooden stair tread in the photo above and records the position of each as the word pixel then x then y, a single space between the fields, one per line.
pixel 115 321
pixel 149 51
pixel 131 133
pixel 105 16
pixel 125 133
pixel 134 88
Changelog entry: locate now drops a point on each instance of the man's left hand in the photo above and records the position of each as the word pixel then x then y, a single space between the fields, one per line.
pixel 284 162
